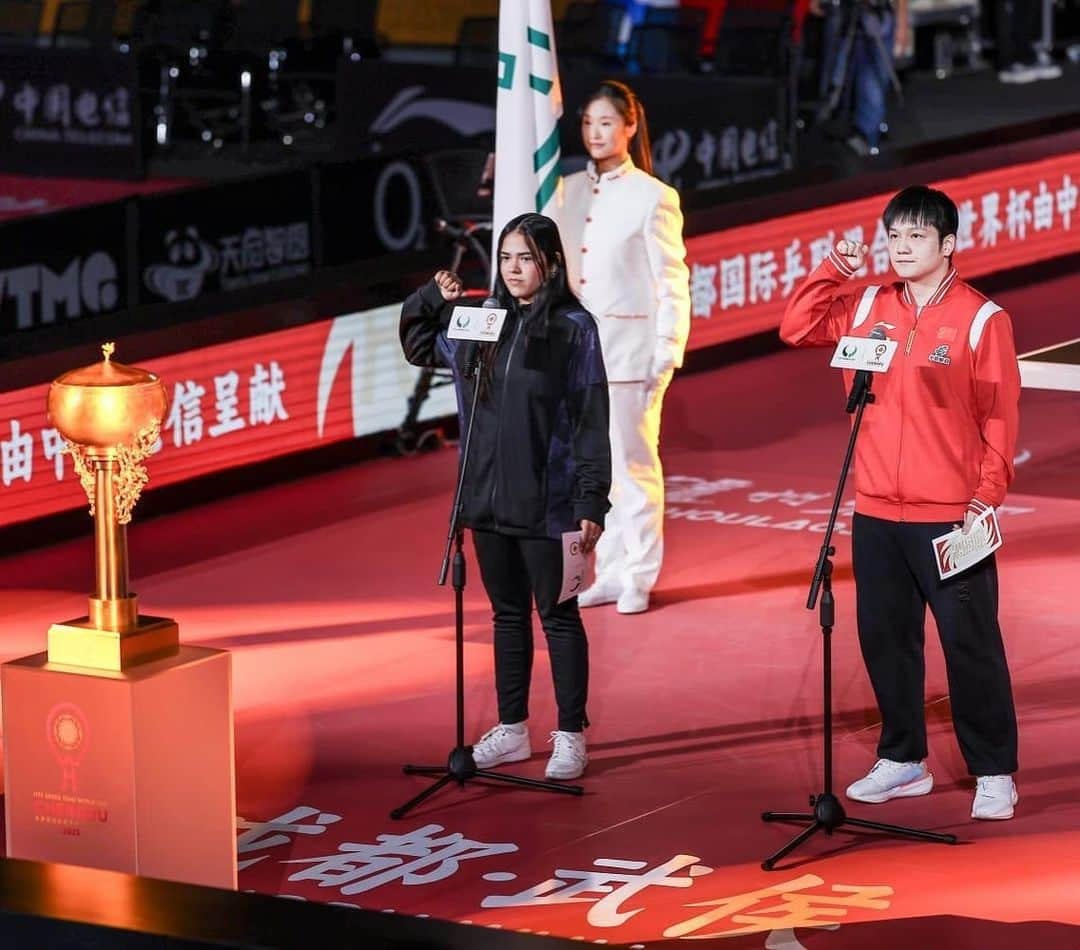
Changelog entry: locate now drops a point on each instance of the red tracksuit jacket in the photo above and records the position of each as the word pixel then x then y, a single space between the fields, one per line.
pixel 941 433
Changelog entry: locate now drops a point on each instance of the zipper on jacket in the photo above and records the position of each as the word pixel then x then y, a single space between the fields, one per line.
pixel 903 380
pixel 913 331
pixel 498 419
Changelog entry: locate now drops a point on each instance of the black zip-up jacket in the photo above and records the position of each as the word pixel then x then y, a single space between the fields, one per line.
pixel 540 455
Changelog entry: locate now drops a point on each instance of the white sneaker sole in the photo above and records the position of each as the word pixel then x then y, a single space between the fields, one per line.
pixel 911 790
pixel 505 759
pixel 597 600
pixel 1002 817
pixel 565 776
pixel 632 608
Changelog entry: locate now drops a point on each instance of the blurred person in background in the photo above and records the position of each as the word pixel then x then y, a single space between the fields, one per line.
pixel 625 253
pixel 1018 28
pixel 861 40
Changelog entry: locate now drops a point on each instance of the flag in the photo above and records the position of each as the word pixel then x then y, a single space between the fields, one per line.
pixel 528 107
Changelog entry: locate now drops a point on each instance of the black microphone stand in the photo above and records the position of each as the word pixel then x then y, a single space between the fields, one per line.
pixel 460 765
pixel 828 813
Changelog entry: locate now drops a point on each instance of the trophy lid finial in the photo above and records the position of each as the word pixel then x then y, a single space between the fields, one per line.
pixel 107 350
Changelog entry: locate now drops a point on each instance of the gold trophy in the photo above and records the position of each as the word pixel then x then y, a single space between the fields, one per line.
pixel 112 761
pixel 110 415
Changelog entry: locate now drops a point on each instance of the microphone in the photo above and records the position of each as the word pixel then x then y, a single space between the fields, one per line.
pixel 472 355
pixel 861 385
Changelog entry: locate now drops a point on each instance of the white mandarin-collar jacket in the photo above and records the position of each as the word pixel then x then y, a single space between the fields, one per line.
pixel 622 231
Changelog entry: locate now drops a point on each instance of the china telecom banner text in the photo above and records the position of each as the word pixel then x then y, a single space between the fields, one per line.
pixel 230 405
pixel 741 278
pixel 70 112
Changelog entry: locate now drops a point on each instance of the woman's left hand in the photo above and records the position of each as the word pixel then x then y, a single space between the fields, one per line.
pixel 590 534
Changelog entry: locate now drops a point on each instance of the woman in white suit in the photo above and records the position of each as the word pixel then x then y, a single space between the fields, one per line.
pixel 622 231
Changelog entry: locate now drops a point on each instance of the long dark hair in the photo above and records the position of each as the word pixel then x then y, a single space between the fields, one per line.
pixel 541 236
pixel 629 106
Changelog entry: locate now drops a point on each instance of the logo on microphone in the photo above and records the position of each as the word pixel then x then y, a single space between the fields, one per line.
pixel 849 351
pixel 940 355
pixel 879 351
pixel 463 319
pixel 489 319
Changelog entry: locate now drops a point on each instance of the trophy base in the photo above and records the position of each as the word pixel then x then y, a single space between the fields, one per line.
pixel 130 771
pixel 80 643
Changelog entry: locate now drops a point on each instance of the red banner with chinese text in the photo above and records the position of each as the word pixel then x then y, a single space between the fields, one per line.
pixel 740 279
pixel 231 404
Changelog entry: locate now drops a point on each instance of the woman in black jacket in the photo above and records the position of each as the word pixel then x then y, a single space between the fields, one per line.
pixel 539 465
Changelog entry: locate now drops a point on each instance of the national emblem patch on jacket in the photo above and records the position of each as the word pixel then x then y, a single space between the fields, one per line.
pixel 940 355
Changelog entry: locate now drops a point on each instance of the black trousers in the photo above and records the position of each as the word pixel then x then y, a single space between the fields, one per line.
pixel 1019 26
pixel 516 571
pixel 895 579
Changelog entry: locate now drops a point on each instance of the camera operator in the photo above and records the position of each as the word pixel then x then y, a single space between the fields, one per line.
pixel 861 41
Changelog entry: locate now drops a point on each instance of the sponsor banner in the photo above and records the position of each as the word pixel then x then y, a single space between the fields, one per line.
pixel 390 107
pixel 228 237
pixel 70 112
pixel 741 278
pixel 65 266
pixel 232 404
pixel 386 107
pixel 375 206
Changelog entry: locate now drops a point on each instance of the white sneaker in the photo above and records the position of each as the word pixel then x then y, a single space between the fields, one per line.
pixel 633 601
pixel 602 591
pixel 1018 74
pixel 995 796
pixel 889 779
pixel 507 742
pixel 568 758
pixel 1046 68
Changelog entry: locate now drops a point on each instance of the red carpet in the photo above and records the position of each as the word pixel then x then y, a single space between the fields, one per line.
pixel 706 710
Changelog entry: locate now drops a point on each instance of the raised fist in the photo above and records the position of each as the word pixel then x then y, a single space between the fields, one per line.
pixel 852 252
pixel 450 285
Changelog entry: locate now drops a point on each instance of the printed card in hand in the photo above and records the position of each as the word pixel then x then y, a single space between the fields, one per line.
pixel 574 566
pixel 955 552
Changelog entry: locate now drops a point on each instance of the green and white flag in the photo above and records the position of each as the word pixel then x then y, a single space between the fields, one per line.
pixel 528 106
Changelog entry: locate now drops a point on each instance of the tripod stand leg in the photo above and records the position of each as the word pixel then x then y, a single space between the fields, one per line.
pixel 786 816
pixel 770 861
pixel 424 795
pixel 916 833
pixel 424 770
pixel 486 774
pixel 531 782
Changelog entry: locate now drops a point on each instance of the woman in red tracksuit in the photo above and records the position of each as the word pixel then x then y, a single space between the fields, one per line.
pixel 935 449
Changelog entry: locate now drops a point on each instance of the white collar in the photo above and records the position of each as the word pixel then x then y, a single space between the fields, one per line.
pixel 624 168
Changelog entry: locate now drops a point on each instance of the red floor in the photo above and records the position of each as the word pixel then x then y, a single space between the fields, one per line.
pixel 706 710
